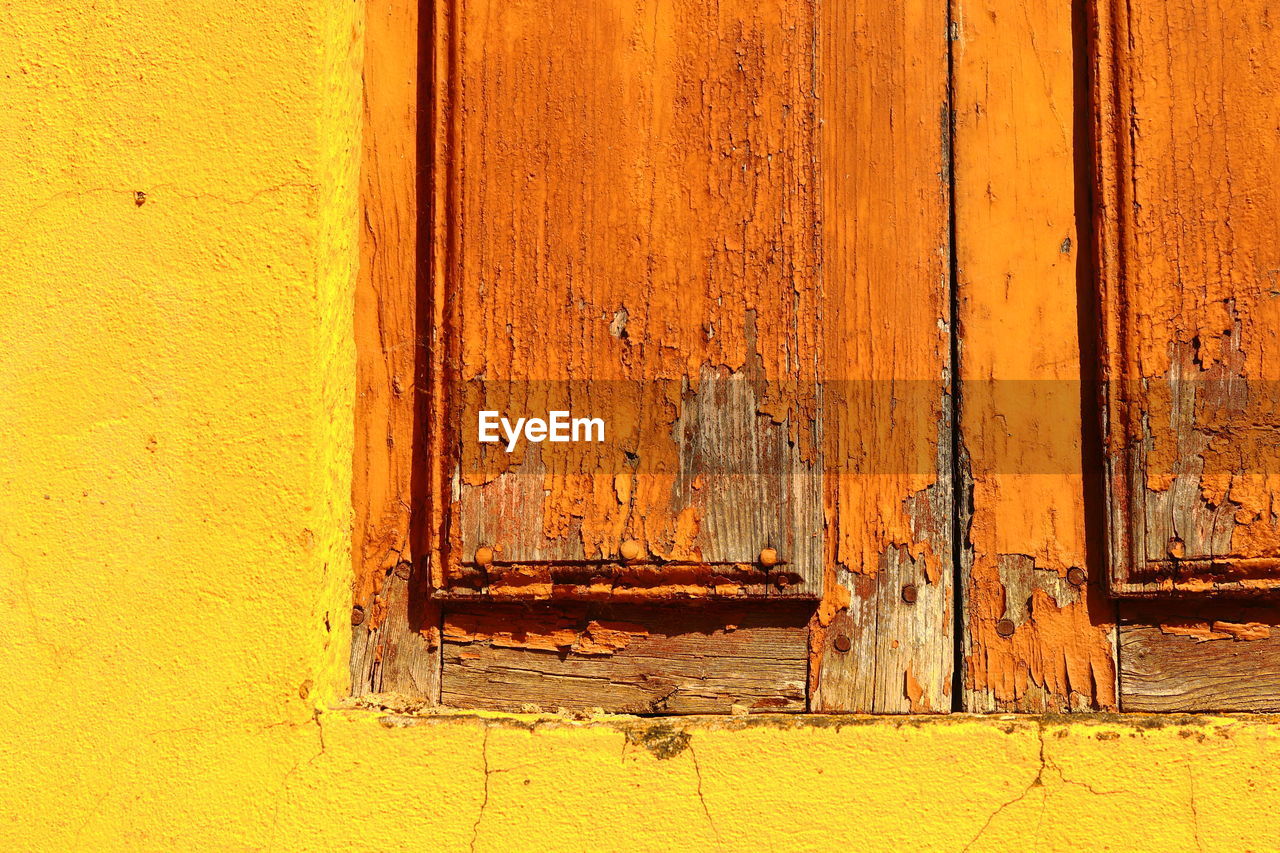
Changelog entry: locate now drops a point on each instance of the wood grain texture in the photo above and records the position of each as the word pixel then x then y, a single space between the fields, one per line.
pixel 1200 658
pixel 886 361
pixel 1188 96
pixel 390 650
pixel 655 660
pixel 1038 636
pixel 386 310
pixel 391 653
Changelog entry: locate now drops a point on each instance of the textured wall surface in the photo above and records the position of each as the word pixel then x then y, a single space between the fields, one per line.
pixel 175 387
pixel 177 223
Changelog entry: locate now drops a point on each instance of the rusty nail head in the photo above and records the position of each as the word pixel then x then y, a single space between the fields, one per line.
pixel 1005 627
pixel 782 581
pixel 403 571
pixel 630 550
pixel 357 615
pixel 484 555
pixel 842 643
pixel 768 557
pixel 1077 576
pixel 910 593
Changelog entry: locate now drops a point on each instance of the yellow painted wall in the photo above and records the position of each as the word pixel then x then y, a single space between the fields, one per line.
pixel 175 431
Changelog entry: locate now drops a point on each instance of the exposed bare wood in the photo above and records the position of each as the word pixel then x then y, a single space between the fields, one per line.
pixel 656 660
pixel 390 650
pixel 1189 217
pixel 1200 658
pixel 886 318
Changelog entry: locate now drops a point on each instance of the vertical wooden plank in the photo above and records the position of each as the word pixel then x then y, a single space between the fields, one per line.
pixel 396 651
pixel 394 647
pixel 883 637
pixel 1189 221
pixel 1038 632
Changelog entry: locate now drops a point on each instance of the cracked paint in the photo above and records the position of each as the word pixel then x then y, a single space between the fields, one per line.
pixel 547 632
pixel 1190 307
pixel 1218 630
pixel 665 169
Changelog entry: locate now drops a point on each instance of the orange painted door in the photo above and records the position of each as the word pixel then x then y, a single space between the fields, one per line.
pixel 722 228
pixel 1189 226
pixel 950 323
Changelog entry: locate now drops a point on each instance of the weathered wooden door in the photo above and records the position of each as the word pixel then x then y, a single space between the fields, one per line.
pixel 721 228
pixel 920 338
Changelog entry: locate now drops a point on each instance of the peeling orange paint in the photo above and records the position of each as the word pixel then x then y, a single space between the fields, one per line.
pixel 386 310
pixel 1218 630
pixel 704 242
pixel 1190 308
pixel 632 230
pixel 545 632
pixel 1054 656
pixel 885 362
pixel 915 694
pixel 587 582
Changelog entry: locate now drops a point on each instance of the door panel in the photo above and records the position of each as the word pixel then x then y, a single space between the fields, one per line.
pixel 1189 226
pixel 633 223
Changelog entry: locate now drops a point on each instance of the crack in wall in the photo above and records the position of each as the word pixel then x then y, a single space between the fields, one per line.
pixel 484 802
pixel 1046 763
pixel 283 796
pixel 697 772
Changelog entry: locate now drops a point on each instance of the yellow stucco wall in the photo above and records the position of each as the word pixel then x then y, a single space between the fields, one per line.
pixel 175 431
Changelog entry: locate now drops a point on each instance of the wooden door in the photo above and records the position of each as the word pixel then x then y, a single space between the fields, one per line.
pixel 926 336
pixel 1189 222
pixel 720 227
